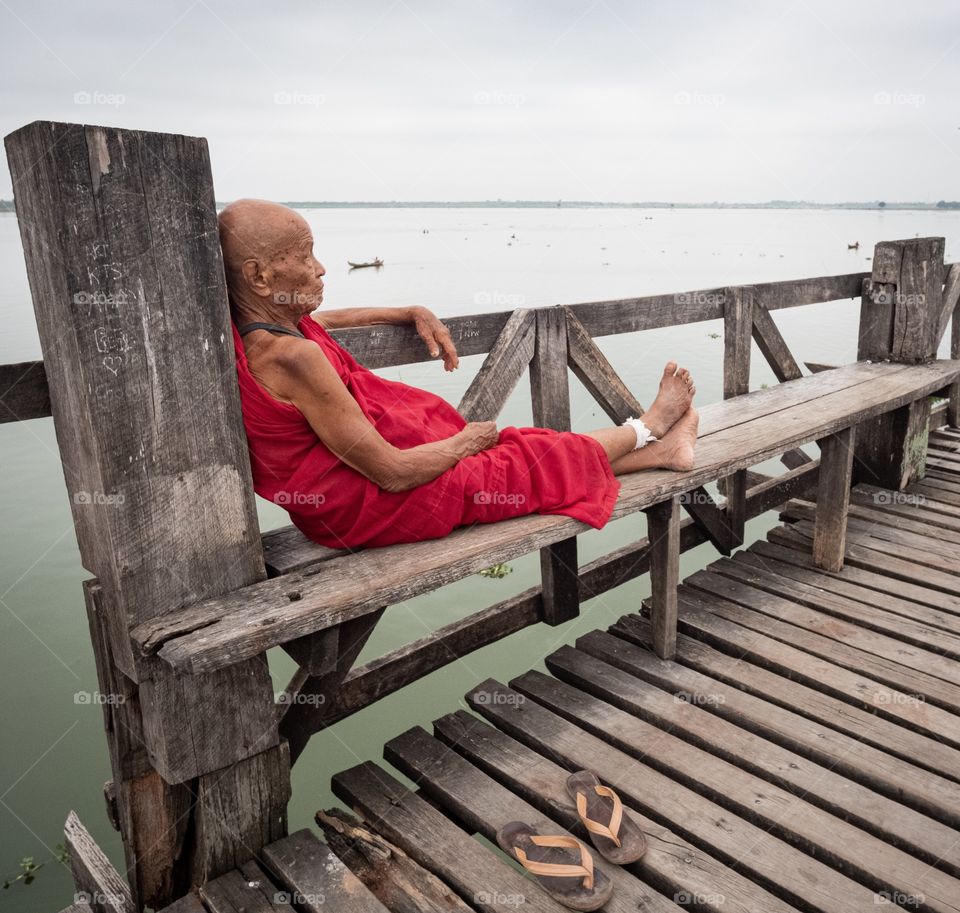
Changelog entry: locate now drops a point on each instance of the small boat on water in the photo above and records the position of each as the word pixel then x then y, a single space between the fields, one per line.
pixel 854 246
pixel 377 263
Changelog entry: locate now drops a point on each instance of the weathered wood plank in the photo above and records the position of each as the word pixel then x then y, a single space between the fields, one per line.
pixel 314 879
pixel 848 848
pixel 828 636
pixel 863 806
pixel 833 497
pixel 680 869
pixel 796 877
pixel 891 776
pixel 478 876
pixel 829 695
pixel 96 880
pixel 398 882
pixel 889 689
pixel 245 890
pixel 484 806
pixel 948 303
pixel 501 369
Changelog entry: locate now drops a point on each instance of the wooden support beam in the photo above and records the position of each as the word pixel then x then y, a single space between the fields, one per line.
pixel 833 499
pixel 953 401
pixel 596 373
pixel 120 237
pixel 663 533
pixel 772 345
pixel 550 394
pixel 310 700
pixel 738 323
pixel 501 369
pixel 950 299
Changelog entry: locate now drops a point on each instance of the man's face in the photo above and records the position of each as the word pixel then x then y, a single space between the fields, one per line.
pixel 296 276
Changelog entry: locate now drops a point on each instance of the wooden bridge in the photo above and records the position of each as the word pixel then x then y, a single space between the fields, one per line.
pixel 785 725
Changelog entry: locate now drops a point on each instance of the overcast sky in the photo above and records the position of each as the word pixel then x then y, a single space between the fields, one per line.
pixel 568 99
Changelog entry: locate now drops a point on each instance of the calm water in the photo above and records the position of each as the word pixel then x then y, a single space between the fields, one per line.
pixel 54 755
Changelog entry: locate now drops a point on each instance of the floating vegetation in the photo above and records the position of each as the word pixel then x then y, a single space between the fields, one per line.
pixel 497 572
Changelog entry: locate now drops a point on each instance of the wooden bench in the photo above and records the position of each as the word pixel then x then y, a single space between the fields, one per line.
pixel 735 434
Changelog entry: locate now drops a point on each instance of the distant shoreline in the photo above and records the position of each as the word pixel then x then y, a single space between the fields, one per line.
pixel 942 205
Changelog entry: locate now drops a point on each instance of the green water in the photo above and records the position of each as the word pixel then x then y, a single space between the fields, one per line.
pixel 54 755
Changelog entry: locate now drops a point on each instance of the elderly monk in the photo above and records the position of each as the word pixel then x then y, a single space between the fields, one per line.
pixel 359 460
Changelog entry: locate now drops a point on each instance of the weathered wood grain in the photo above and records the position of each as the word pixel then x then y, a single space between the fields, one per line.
pixel 501 369
pixel 24 392
pixel 96 880
pixel 398 882
pixel 663 532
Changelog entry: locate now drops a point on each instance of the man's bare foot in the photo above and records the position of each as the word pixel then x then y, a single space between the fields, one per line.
pixel 679 442
pixel 673 399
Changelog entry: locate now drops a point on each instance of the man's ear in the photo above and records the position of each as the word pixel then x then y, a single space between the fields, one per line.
pixel 254 278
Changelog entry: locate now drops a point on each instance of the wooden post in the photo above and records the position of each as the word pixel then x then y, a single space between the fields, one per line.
pixel 663 534
pixel 833 499
pixel 550 392
pixel 899 321
pixel 737 334
pixel 953 402
pixel 120 237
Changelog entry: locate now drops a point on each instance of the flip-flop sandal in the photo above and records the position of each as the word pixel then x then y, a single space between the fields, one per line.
pixel 619 839
pixel 562 865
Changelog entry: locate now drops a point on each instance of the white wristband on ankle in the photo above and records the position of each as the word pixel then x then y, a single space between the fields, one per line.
pixel 643 432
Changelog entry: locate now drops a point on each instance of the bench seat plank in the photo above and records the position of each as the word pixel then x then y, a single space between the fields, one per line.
pixel 735 434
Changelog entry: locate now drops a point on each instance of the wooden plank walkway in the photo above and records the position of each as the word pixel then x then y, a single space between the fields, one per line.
pixel 801 753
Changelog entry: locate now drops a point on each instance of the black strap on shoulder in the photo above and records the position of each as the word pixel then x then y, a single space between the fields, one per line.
pixel 271 327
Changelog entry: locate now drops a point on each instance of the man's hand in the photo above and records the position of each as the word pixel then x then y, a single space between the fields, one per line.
pixel 477 436
pixel 432 331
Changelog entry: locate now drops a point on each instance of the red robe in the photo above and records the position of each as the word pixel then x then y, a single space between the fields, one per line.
pixel 529 470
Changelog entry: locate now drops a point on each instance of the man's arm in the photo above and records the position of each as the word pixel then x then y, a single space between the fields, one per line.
pixel 430 329
pixel 303 375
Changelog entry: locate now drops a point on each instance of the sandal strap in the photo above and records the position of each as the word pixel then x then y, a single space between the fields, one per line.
pixel 557 869
pixel 610 830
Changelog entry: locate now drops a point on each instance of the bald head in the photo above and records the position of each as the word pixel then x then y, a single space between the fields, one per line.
pixel 268 255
